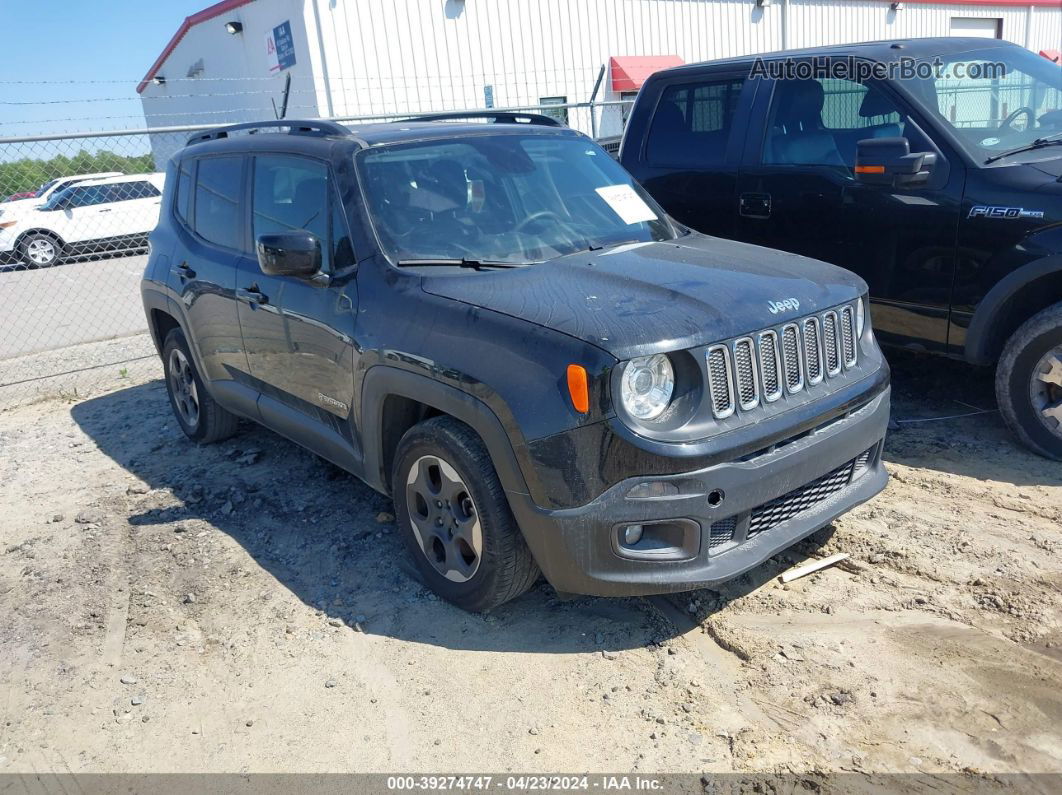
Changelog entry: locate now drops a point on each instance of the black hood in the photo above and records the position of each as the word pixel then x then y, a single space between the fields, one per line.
pixel 652 297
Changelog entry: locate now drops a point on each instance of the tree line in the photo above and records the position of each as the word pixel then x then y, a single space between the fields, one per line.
pixel 29 174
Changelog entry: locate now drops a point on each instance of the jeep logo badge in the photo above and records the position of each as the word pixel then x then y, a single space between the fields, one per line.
pixel 784 305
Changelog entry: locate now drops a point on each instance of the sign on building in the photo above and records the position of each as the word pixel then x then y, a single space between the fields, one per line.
pixel 280 48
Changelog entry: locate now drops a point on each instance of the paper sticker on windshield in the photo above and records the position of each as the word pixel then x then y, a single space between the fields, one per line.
pixel 627 204
pixel 989 142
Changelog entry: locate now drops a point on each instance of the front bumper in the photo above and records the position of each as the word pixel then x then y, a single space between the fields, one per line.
pixel 769 502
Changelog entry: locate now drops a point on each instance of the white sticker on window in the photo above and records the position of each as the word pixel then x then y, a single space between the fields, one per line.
pixel 627 204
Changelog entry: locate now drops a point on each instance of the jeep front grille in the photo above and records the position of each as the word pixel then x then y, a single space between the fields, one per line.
pixel 720 384
pixel 761 368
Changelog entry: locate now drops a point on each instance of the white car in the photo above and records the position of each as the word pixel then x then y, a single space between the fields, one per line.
pixel 45 192
pixel 89 216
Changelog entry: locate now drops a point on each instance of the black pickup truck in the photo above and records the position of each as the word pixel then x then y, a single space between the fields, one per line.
pixel 494 324
pixel 930 167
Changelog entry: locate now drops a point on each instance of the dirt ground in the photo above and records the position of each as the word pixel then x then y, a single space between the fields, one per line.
pixel 247 607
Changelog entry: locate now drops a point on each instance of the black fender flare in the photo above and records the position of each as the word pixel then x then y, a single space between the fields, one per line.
pixel 155 300
pixel 40 231
pixel 382 381
pixel 980 336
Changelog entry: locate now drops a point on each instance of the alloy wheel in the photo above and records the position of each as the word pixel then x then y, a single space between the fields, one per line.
pixel 444 518
pixel 1045 390
pixel 40 251
pixel 183 388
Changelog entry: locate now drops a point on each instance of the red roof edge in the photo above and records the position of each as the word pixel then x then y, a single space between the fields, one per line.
pixel 628 72
pixel 202 16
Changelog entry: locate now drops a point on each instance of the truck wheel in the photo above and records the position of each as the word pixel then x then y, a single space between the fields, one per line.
pixel 1029 382
pixel 455 518
pixel 40 250
pixel 200 417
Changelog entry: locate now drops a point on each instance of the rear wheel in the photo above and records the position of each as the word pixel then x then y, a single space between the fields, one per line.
pixel 456 519
pixel 1029 382
pixel 199 416
pixel 41 250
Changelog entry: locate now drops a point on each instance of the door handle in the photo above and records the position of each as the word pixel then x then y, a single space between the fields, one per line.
pixel 182 271
pixel 251 295
pixel 106 209
pixel 755 205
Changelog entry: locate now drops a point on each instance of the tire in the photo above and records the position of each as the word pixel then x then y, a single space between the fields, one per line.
pixel 40 250
pixel 1029 383
pixel 439 525
pixel 209 422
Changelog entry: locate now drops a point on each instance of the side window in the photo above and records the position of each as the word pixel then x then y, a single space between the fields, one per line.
pixel 217 197
pixel 820 122
pixel 291 193
pixel 89 195
pixel 692 123
pixel 183 200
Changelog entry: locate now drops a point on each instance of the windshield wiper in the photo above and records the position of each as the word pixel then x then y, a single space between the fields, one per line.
pixel 464 262
pixel 1054 139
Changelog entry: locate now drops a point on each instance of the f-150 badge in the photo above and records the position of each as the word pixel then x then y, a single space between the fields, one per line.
pixel 986 211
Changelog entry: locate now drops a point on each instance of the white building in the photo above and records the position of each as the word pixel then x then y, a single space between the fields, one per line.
pixel 357 58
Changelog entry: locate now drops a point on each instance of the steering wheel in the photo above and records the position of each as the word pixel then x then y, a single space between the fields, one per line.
pixel 1029 113
pixel 541 215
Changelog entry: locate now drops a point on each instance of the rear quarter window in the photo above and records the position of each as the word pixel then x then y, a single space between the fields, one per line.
pixel 692 123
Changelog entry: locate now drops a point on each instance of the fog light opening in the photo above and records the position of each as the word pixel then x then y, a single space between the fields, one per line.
pixel 716 497
pixel 632 534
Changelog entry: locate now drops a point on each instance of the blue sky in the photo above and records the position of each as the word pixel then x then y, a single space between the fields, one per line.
pixel 65 45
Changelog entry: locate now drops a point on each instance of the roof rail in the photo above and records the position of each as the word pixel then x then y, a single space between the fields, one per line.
pixel 500 117
pixel 294 127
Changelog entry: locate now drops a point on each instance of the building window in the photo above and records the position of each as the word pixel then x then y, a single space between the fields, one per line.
pixel 979 27
pixel 560 114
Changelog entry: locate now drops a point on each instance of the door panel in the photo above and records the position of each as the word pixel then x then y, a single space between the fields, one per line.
pixel 900 240
pixel 298 333
pixel 693 142
pixel 203 268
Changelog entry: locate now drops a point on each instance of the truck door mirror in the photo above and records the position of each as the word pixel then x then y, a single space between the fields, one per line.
pixel 889 161
pixel 289 254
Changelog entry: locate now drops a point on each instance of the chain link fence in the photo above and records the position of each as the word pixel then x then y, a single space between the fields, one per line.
pixel 76 213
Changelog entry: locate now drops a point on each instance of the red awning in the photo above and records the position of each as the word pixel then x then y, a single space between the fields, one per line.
pixel 1054 56
pixel 630 71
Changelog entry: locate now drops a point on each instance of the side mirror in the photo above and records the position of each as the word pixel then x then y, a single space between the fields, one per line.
pixel 889 161
pixel 289 254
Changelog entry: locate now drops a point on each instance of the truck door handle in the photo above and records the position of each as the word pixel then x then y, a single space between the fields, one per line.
pixel 755 205
pixel 106 209
pixel 251 295
pixel 182 271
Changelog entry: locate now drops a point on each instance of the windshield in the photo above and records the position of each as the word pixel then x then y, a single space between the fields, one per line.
pixel 503 198
pixel 56 198
pixel 996 99
pixel 44 188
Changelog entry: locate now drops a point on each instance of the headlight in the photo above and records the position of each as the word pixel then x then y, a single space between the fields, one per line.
pixel 648 383
pixel 861 316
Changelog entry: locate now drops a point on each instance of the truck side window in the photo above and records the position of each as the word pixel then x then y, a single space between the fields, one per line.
pixel 819 122
pixel 291 193
pixel 692 123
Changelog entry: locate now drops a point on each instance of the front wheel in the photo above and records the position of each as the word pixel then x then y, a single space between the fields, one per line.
pixel 1029 382
pixel 455 517
pixel 40 250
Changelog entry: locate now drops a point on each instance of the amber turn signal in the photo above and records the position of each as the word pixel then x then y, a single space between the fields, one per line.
pixel 578 388
pixel 870 169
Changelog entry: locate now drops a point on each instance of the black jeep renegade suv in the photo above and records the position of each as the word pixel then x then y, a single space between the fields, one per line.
pixel 493 323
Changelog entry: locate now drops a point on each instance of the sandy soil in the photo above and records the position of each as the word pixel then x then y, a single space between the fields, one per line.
pixel 247 607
